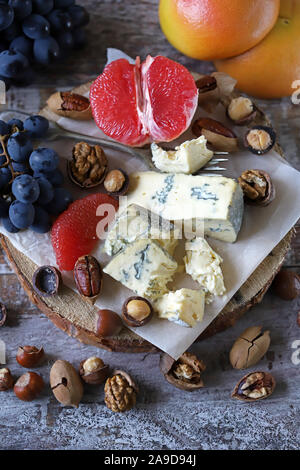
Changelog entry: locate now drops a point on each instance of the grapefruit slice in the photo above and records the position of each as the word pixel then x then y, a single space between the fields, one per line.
pixel 76 231
pixel 137 104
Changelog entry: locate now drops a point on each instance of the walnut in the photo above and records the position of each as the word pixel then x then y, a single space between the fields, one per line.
pixel 88 166
pixel 120 392
pixel 257 187
pixel 185 373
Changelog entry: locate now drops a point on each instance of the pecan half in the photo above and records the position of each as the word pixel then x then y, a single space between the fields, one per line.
pixel 88 166
pixel 206 83
pixel 254 386
pixel 88 277
pixel 185 373
pixel 72 105
pixel 257 187
pixel 216 134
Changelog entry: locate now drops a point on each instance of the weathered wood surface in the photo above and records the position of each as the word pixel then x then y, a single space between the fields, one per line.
pixel 165 418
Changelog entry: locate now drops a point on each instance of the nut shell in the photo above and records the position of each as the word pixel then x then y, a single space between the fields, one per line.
pixel 71 105
pixel 28 386
pixel 88 277
pixel 260 139
pixel 66 384
pixel 6 380
pixel 287 285
pixel 216 134
pixel 249 347
pixel 140 305
pixel 185 373
pixel 88 166
pixel 109 323
pixel 258 187
pixel 254 386
pixel 241 111
pixel 29 356
pixel 120 392
pixel 3 314
pixel 97 376
pixel 46 281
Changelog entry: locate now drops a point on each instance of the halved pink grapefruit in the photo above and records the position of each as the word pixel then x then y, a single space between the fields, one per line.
pixel 140 103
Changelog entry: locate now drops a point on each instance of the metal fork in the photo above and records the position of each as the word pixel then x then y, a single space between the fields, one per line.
pixel 56 132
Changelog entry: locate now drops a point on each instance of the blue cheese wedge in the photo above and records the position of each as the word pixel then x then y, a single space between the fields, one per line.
pixel 184 307
pixel 203 264
pixel 135 222
pixel 187 158
pixel 144 267
pixel 215 200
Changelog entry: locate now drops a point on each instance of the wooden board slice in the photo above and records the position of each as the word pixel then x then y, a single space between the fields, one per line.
pixel 69 312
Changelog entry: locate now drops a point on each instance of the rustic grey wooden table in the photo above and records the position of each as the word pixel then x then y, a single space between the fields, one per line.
pixel 165 418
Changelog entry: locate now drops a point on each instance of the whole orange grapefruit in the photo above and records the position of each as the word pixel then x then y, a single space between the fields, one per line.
pixel 269 69
pixel 216 29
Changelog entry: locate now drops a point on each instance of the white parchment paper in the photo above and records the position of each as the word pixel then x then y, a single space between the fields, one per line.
pixel 262 230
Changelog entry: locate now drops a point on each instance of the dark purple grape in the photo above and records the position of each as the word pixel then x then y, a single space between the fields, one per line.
pixel 22 44
pixel 21 214
pixel 20 167
pixel 5 177
pixel 79 15
pixel 9 226
pixel 19 147
pixel 42 7
pixel 65 40
pixel 43 160
pixel 46 50
pixel 15 125
pixel 55 177
pixel 60 20
pixel 79 38
pixel 61 201
pixel 36 27
pixel 6 16
pixel 22 8
pixel 12 64
pixel 3 46
pixel 42 222
pixel 36 126
pixel 63 3
pixel 46 190
pixel 26 189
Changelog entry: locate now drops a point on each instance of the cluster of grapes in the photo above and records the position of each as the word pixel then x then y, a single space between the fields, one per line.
pixel 30 181
pixel 37 31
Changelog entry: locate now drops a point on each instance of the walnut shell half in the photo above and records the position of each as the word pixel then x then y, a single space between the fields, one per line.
pixel 185 373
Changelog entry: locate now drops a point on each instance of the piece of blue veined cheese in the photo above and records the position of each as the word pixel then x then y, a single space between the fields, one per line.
pixel 215 200
pixel 135 222
pixel 187 158
pixel 203 264
pixel 184 306
pixel 144 267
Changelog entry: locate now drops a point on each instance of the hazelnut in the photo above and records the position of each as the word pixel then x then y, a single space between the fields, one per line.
pixel 254 386
pixel 46 281
pixel 6 380
pixel 137 311
pixel 116 182
pixel 249 347
pixel 28 386
pixel 120 392
pixel 66 384
pixel 29 356
pixel 241 111
pixel 3 314
pixel 287 285
pixel 260 139
pixel 108 323
pixel 93 370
